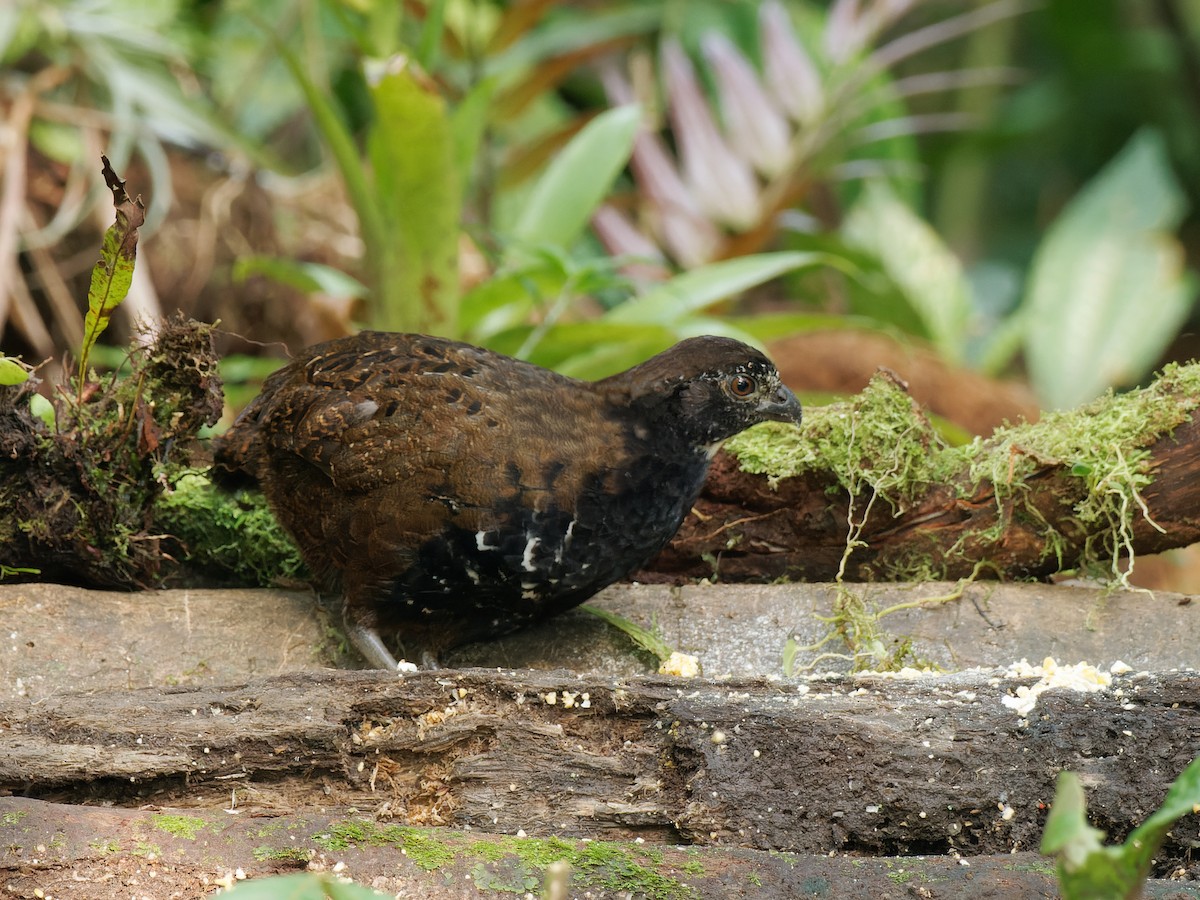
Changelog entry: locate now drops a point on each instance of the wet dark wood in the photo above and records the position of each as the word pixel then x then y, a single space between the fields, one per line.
pixel 88 853
pixel 798 530
pixel 874 766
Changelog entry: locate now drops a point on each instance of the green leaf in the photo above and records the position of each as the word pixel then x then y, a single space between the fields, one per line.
pixel 700 288
pixel 580 176
pixel 310 277
pixel 468 123
pixel 12 371
pixel 412 151
pixel 113 274
pixel 342 147
pixel 1108 289
pixel 305 886
pixel 1183 799
pixel 927 274
pixel 1087 869
pixel 42 408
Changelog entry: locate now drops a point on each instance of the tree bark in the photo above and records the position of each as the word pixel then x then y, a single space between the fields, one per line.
pixel 742 528
pixel 870 765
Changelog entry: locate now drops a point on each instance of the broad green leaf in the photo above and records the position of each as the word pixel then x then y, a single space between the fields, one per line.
pixel 698 289
pixel 1183 799
pixel 1067 831
pixel 507 301
pixel 579 177
pixel 113 274
pixel 1087 869
pixel 468 123
pixel 927 275
pixel 594 348
pixel 1108 289
pixel 310 277
pixel 412 152
pixel 12 371
pixel 772 326
pixel 304 886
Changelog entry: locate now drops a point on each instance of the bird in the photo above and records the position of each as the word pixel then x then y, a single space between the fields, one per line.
pixel 453 494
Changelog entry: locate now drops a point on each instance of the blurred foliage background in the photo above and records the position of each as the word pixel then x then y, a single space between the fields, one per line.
pixel 996 199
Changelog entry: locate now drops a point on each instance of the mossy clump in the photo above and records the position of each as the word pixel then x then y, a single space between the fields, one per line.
pixel 517 863
pixel 186 827
pixel 1106 445
pixel 881 445
pixel 228 534
pixel 78 481
pixel 879 441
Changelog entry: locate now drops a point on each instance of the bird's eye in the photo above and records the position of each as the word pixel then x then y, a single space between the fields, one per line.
pixel 741 385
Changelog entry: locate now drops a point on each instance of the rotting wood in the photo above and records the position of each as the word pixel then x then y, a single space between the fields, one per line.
pixel 89 853
pixel 744 529
pixel 868 765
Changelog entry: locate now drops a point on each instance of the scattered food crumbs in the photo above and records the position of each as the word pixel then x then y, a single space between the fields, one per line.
pixel 1120 668
pixel 551 698
pixel 681 665
pixel 1007 812
pixel 404 667
pixel 718 737
pixel 1079 677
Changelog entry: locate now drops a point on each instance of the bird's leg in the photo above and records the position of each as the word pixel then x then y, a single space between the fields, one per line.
pixel 366 640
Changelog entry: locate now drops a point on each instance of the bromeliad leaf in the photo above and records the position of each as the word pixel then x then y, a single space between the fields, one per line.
pixel 113 274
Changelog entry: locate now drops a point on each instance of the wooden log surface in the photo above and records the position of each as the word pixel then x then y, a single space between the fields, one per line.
pixel 743 528
pixel 870 765
pixel 53 851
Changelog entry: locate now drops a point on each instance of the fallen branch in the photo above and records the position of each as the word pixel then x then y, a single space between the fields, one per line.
pixel 1093 486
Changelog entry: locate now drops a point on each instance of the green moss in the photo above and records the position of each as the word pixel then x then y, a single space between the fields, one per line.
pixel 179 826
pixel 517 864
pixel 282 854
pixel 105 848
pixel 879 441
pixel 512 878
pixel 233 533
pixel 146 848
pixel 880 447
pixel 426 851
pixel 12 818
pixel 1047 868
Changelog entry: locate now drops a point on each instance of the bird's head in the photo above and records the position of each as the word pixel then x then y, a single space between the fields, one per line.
pixel 708 389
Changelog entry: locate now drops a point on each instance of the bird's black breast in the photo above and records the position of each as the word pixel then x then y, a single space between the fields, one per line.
pixel 531 563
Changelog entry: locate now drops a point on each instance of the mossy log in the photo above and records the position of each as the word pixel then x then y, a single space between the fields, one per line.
pixel 92 853
pixel 1081 488
pixel 870 765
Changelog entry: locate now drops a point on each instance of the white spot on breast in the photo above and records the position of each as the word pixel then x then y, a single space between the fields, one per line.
pixel 527 559
pixel 472 574
pixel 481 541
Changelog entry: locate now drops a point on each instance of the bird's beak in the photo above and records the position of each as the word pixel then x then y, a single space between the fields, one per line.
pixel 781 406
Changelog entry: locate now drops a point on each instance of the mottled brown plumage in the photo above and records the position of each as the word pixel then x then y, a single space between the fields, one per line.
pixel 455 494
